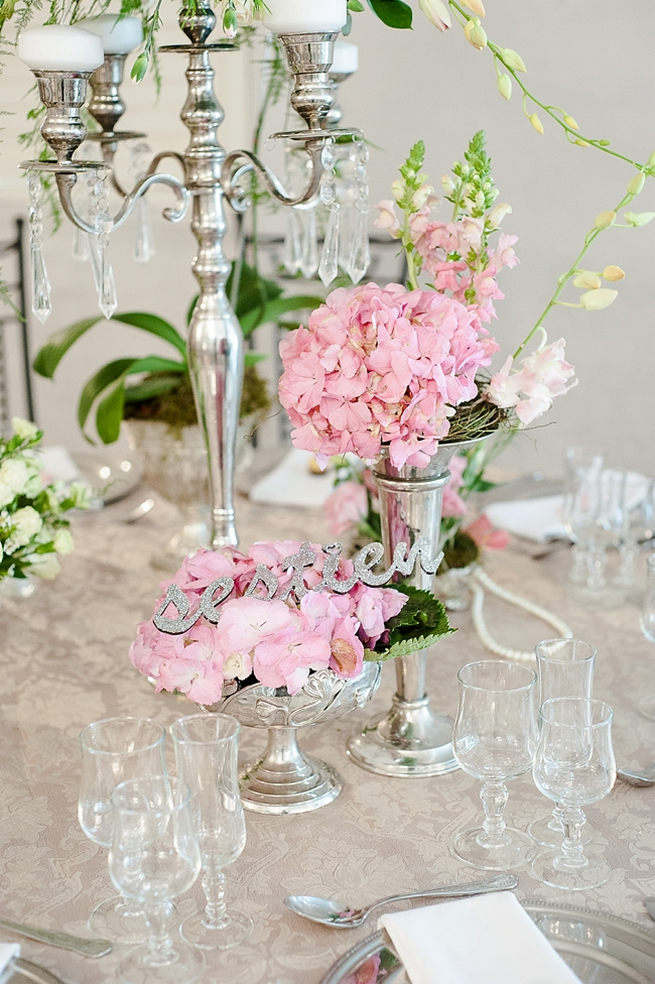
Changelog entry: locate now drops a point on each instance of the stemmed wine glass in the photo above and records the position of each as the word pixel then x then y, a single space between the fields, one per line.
pixel 582 469
pixel 153 858
pixel 113 750
pixel 596 513
pixel 574 765
pixel 206 759
pixel 647 704
pixel 565 668
pixel 494 737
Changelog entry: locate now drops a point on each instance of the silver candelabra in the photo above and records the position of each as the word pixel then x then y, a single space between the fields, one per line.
pixel 210 178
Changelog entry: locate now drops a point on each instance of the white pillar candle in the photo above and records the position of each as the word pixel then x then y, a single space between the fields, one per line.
pixel 119 35
pixel 346 58
pixel 57 47
pixel 304 16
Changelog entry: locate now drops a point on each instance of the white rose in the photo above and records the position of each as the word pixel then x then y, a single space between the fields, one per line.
pixel 7 495
pixel 63 542
pixel 45 566
pixel 15 474
pixel 26 522
pixel 24 429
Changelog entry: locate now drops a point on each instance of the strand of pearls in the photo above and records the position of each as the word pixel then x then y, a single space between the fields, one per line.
pixel 481 580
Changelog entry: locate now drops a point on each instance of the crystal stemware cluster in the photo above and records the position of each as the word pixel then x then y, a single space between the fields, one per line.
pixel 510 721
pixel 162 831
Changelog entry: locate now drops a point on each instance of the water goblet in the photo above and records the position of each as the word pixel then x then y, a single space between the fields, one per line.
pixel 606 520
pixel 574 765
pixel 638 526
pixel 153 858
pixel 206 759
pixel 581 468
pixel 494 737
pixel 647 704
pixel 565 668
pixel 113 750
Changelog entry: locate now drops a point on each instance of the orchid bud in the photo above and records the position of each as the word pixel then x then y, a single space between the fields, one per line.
pixel 636 184
pixel 536 123
pixel 504 84
pixel 581 143
pixel 596 300
pixel 513 60
pixel 437 12
pixel 588 279
pixel 570 122
pixel 613 272
pixel 651 159
pixel 604 220
pixel 475 34
pixel 638 219
pixel 475 6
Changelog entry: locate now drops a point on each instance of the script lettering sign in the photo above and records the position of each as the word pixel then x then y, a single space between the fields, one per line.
pixel 403 562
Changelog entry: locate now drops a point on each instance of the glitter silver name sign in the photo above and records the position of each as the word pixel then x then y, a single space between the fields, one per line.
pixel 403 562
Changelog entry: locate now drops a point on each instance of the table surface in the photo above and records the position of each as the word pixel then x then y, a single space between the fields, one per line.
pixel 64 662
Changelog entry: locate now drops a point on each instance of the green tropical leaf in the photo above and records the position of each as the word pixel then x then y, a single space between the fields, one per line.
pixel 155 325
pixel 275 308
pixel 152 386
pixel 393 13
pixel 50 355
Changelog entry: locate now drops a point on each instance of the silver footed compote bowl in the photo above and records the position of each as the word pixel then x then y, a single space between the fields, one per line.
pixel 284 779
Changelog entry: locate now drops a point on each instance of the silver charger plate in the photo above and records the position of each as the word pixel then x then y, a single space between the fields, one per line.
pixel 599 948
pixel 109 477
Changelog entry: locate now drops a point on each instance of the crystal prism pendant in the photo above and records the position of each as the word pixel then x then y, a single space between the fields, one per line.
pixel 329 265
pixel 292 258
pixel 103 277
pixel 360 254
pixel 41 291
pixel 144 249
pixel 309 260
pixel 80 245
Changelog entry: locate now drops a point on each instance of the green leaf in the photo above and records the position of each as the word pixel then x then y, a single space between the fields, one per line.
pixel 254 290
pixel 155 325
pixel 152 386
pixel 110 413
pixel 50 355
pixel 420 623
pixel 274 309
pixel 393 13
pixel 99 382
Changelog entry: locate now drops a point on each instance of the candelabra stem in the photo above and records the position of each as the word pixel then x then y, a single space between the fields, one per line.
pixel 215 342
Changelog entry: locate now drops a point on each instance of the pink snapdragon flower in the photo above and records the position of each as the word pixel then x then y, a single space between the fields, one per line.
pixel 380 366
pixel 531 388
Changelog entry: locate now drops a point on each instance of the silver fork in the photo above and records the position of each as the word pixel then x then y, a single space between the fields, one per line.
pixel 89 947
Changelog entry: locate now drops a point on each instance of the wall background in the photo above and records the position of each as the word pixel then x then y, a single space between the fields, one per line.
pixel 589 56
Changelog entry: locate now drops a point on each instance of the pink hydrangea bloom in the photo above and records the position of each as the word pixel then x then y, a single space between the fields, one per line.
pixel 345 507
pixel 453 504
pixel 532 387
pixel 280 642
pixel 380 366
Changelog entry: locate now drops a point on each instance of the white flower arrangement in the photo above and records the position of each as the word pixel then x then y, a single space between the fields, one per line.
pixel 34 532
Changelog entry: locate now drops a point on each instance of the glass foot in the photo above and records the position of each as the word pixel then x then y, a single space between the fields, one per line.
pixel 184 965
pixel 547 832
pixel 647 707
pixel 119 920
pixel 553 869
pixel 237 928
pixel 515 850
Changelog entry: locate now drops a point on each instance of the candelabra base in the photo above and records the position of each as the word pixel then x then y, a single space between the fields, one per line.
pixel 409 740
pixel 278 787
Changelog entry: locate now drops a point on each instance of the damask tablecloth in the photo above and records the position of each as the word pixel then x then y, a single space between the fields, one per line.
pixel 64 664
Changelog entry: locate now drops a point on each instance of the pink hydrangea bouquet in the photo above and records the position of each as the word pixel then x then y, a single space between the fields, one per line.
pixel 404 367
pixel 279 642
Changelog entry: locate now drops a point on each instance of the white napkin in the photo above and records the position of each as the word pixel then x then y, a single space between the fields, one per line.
pixel 292 484
pixel 57 464
pixel 486 939
pixel 535 519
pixel 7 952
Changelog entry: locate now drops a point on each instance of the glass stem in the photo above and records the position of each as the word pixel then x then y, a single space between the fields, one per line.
pixel 556 821
pixel 597 562
pixel 213 885
pixel 161 949
pixel 494 798
pixel 572 850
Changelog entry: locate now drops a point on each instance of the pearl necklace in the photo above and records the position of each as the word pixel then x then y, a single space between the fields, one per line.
pixel 480 581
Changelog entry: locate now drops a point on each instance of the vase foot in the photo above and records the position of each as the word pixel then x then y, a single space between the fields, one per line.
pixel 278 787
pixel 409 740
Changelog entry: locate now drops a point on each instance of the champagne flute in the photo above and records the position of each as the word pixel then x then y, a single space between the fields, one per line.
pixel 153 858
pixel 206 758
pixel 574 765
pixel 494 736
pixel 565 668
pixel 113 750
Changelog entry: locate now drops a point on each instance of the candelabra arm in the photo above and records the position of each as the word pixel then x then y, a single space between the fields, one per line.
pixel 67 180
pixel 238 196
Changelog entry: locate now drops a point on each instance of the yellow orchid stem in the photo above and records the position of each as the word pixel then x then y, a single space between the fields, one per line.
pixel 564 279
pixel 574 134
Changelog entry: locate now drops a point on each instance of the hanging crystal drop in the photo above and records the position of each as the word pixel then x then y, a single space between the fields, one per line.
pixel 360 255
pixel 80 245
pixel 41 290
pixel 329 265
pixel 102 270
pixel 144 249
pixel 309 262
pixel 291 254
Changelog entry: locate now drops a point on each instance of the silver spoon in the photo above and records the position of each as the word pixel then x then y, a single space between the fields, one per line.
pixel 646 778
pixel 89 947
pixel 339 915
pixel 134 515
